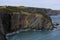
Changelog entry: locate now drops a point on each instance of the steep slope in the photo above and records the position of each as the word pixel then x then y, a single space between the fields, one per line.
pixel 15 18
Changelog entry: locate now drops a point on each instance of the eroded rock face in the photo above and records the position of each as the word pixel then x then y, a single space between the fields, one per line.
pixel 25 20
pixel 4 25
pixel 31 21
pixel 13 21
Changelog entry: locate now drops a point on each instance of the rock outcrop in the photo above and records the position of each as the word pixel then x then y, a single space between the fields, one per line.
pixel 15 18
pixel 27 20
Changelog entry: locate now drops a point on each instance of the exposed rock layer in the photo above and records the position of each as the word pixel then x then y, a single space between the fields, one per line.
pixel 16 19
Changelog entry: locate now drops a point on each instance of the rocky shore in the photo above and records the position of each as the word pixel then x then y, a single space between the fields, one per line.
pixel 16 18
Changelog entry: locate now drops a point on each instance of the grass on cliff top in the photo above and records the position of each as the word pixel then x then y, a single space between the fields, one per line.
pixel 18 10
pixel 11 9
pixel 15 9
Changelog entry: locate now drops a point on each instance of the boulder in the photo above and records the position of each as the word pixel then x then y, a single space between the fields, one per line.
pixel 56 24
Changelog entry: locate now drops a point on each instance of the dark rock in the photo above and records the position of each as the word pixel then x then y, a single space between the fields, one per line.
pixel 2 36
pixel 55 24
pixel 31 21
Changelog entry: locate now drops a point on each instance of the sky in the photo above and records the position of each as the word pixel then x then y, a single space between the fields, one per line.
pixel 53 4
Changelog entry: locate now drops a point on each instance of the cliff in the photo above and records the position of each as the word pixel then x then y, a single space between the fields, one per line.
pixel 47 11
pixel 16 18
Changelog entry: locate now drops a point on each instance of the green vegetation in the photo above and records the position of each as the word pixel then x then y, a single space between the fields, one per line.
pixel 11 8
pixel 5 10
pixel 17 10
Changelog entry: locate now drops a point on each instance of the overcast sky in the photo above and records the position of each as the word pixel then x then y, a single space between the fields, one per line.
pixel 53 4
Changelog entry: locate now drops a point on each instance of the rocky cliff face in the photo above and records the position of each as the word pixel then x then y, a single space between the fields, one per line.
pixel 15 19
pixel 43 10
pixel 27 20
